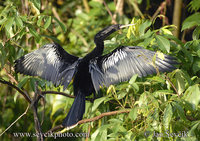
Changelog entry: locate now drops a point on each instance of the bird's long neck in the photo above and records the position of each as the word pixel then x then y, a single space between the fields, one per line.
pixel 99 40
pixel 101 35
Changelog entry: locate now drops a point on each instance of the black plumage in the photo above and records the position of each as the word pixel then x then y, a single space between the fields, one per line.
pixel 51 62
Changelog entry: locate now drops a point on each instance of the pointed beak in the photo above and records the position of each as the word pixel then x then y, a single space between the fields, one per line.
pixel 126 25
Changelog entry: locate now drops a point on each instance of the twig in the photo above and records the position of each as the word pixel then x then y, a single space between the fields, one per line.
pixel 64 94
pixel 36 119
pixel 136 8
pixel 26 96
pixel 80 36
pixel 87 8
pixel 92 119
pixel 119 8
pixel 103 115
pixel 10 76
pixel 15 121
pixel 110 13
pixel 14 35
pixel 158 10
pixel 167 78
pixel 89 130
pixel 55 92
pixel 55 13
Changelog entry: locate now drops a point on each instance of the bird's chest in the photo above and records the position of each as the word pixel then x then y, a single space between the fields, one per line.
pixel 82 79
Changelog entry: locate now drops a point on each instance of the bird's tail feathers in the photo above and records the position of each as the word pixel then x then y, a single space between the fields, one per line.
pixel 76 112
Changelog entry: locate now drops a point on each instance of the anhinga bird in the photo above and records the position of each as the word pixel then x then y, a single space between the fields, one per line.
pixel 51 62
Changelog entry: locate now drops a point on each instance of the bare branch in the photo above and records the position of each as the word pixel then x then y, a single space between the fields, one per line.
pixel 34 105
pixel 167 78
pixel 163 4
pixel 92 119
pixel 86 5
pixel 15 121
pixel 110 13
pixel 103 115
pixel 12 79
pixel 64 94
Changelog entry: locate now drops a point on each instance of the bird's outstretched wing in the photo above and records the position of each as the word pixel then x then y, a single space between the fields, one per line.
pixel 122 63
pixel 51 62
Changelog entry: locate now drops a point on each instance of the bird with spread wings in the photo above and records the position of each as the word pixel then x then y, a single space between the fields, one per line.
pixel 51 62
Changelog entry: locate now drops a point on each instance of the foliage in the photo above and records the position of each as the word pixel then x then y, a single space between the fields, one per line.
pixel 161 106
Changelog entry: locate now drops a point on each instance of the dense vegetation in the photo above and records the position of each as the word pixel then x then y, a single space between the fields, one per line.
pixel 160 107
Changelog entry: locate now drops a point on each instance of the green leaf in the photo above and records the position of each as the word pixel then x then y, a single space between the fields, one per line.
pixel 61 24
pixel 194 127
pixel 157 79
pixel 2 21
pixel 194 5
pixel 34 33
pixel 48 22
pixel 193 20
pixel 196 33
pixel 112 6
pixel 32 83
pixel 142 100
pixel 135 86
pixel 97 102
pixel 3 55
pixel 52 38
pixel 19 21
pixel 95 4
pixel 96 136
pixel 163 43
pixel 22 82
pixel 192 95
pixel 121 95
pixel 133 78
pixel 168 113
pixel 144 26
pixel 8 26
pixel 196 65
pixel 115 121
pixel 174 38
pixel 198 53
pixel 39 21
pixel 133 114
pixel 180 83
pixel 36 5
pixel 180 111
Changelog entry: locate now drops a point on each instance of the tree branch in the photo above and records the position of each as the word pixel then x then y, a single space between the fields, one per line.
pixel 15 121
pixel 64 94
pixel 167 78
pixel 110 13
pixel 34 105
pixel 92 119
pixel 103 115
pixel 86 5
pixel 163 4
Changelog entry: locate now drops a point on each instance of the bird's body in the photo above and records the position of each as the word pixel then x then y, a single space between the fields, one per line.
pixel 53 63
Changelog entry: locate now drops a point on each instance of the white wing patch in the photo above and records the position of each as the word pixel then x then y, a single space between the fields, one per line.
pixel 114 59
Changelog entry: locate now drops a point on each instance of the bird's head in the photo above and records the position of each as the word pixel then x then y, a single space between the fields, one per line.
pixel 100 36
